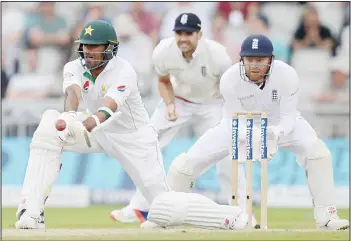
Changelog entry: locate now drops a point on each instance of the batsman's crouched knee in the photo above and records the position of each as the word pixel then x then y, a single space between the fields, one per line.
pixel 45 135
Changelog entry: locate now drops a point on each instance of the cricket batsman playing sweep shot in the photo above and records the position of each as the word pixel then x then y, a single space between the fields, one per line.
pixel 258 83
pixel 119 126
pixel 189 69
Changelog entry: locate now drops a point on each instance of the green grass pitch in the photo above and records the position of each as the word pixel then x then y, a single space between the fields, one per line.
pixel 93 223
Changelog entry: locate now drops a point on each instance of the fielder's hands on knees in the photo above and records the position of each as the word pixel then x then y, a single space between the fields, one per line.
pixel 274 134
pixel 272 149
pixel 171 114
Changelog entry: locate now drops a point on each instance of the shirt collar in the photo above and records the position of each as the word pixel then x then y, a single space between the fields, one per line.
pixel 110 65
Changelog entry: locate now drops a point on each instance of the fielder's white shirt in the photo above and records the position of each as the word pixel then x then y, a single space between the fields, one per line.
pixel 278 98
pixel 119 81
pixel 197 80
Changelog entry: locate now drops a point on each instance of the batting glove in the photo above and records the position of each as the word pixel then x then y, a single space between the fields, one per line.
pixel 68 116
pixel 64 136
pixel 79 133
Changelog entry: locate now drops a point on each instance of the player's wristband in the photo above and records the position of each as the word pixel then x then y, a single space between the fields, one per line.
pixel 97 121
pixel 107 111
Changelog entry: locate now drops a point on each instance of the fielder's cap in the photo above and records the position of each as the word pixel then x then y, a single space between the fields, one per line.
pixel 189 22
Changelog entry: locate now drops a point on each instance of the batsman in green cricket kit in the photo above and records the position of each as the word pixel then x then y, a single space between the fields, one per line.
pixel 116 124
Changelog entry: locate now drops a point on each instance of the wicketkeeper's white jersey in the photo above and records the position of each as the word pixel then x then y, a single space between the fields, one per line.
pixel 197 80
pixel 119 81
pixel 278 98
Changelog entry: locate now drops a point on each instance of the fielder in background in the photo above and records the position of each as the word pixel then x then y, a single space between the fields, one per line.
pixel 258 83
pixel 189 69
pixel 119 126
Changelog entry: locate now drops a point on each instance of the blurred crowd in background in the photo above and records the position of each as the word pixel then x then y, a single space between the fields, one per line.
pixel 38 39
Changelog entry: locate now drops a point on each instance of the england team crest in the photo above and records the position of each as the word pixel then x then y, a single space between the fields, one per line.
pixel 184 19
pixel 274 95
pixel 203 71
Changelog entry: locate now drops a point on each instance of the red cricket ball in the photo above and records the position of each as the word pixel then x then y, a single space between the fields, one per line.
pixel 60 125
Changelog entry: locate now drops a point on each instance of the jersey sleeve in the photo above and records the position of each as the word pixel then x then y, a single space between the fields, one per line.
pixel 227 88
pixel 158 60
pixel 288 102
pixel 120 91
pixel 71 75
pixel 225 62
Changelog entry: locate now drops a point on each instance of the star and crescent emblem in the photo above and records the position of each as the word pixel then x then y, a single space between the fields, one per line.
pixel 89 30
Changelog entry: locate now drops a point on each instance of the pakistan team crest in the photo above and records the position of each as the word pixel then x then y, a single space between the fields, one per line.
pixel 86 86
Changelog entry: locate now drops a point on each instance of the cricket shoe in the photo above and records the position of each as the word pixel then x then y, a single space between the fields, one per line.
pixel 27 222
pixel 329 220
pixel 21 210
pixel 241 222
pixel 128 215
pixel 254 223
pixel 41 224
pixel 150 225
pixel 237 222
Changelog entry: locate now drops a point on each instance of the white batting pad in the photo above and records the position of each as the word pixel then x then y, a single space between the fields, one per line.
pixel 178 208
pixel 43 164
pixel 43 168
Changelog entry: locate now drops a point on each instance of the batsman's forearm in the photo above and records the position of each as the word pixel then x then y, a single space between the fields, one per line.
pixel 166 91
pixel 71 100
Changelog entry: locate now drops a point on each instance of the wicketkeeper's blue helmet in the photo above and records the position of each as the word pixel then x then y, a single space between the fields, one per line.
pixel 256 45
